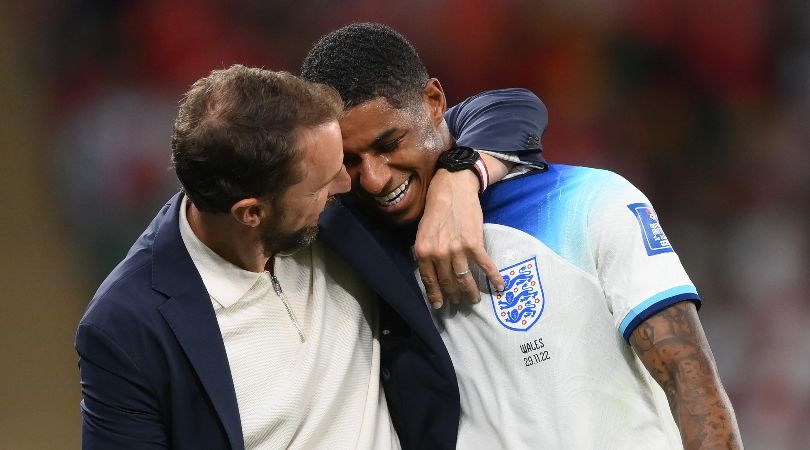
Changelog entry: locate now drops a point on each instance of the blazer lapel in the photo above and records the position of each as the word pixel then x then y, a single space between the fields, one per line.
pixel 191 317
pixel 342 231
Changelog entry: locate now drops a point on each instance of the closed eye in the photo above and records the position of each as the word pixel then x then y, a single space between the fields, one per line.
pixel 390 146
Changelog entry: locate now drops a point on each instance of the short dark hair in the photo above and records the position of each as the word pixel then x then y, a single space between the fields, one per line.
pixel 235 136
pixel 364 61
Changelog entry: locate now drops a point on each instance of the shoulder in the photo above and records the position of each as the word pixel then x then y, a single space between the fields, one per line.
pixel 127 290
pixel 126 297
pixel 555 203
pixel 562 183
pixel 588 177
pixel 585 186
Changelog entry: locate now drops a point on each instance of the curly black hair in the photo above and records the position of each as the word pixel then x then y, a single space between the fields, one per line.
pixel 363 61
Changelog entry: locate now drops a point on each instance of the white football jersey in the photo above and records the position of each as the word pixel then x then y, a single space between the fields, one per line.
pixel 546 363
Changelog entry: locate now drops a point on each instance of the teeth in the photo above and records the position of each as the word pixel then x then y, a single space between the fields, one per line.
pixel 395 196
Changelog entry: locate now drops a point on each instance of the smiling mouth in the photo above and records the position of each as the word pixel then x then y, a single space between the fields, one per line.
pixel 395 196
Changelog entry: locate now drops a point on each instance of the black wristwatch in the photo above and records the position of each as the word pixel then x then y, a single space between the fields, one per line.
pixel 461 158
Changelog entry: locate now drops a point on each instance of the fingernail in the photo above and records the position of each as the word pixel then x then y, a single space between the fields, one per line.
pixel 436 305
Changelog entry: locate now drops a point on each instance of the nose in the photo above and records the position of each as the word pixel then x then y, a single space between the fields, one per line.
pixel 374 174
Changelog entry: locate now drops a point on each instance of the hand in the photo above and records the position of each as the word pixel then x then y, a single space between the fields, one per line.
pixel 451 236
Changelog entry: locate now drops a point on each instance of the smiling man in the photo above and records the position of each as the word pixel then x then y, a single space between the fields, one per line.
pixel 395 173
pixel 595 340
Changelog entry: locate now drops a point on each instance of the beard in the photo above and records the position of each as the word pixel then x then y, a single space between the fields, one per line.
pixel 275 242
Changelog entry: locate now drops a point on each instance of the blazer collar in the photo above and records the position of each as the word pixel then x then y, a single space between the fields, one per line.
pixel 191 317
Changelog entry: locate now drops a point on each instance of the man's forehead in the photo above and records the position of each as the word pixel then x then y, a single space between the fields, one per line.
pixel 375 107
pixel 319 152
pixel 374 120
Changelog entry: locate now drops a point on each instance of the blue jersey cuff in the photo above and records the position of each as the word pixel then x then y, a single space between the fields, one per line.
pixel 655 304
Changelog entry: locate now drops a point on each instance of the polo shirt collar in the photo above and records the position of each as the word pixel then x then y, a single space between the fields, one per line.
pixel 225 282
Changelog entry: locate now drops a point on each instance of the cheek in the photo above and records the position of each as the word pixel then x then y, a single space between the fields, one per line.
pixel 430 138
pixel 425 162
pixel 320 204
pixel 305 212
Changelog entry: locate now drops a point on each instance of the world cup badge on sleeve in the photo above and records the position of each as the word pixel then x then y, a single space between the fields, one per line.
pixel 521 303
pixel 655 241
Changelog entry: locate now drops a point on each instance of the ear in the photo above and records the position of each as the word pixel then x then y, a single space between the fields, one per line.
pixel 249 211
pixel 436 104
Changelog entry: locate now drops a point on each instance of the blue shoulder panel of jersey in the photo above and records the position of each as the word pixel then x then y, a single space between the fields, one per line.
pixel 552 206
pixel 503 120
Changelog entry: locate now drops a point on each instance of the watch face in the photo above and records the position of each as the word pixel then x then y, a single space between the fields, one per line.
pixel 461 153
pixel 458 158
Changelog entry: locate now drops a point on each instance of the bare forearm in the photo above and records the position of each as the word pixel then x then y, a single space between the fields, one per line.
pixel 699 403
pixel 675 351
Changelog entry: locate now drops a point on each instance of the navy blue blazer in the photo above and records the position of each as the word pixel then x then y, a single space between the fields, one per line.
pixel 154 371
pixel 153 365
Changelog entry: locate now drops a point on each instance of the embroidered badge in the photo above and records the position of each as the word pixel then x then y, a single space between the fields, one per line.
pixel 655 241
pixel 521 303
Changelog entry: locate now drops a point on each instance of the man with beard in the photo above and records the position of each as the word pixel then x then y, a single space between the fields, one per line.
pixel 598 314
pixel 227 325
pixel 206 335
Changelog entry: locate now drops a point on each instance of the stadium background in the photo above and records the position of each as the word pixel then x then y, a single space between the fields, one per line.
pixel 703 105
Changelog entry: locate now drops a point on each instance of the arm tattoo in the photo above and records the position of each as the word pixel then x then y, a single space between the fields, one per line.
pixel 673 348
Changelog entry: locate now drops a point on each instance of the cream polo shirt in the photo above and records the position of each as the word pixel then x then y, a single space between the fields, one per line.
pixel 317 394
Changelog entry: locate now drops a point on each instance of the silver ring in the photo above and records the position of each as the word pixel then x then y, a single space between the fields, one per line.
pixel 462 274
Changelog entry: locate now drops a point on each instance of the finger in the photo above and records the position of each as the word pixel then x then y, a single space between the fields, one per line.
pixel 427 273
pixel 480 256
pixel 447 279
pixel 466 282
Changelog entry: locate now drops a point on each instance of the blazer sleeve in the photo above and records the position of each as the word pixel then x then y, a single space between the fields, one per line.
pixel 119 410
pixel 507 121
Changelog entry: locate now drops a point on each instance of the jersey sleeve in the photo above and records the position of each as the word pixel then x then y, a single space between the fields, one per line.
pixel 637 267
pixel 507 123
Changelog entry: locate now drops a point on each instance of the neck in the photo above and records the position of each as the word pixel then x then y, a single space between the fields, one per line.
pixel 231 240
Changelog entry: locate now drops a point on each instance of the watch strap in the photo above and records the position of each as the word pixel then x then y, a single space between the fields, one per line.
pixel 480 169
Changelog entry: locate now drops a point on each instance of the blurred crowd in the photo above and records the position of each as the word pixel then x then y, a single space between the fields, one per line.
pixel 703 105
